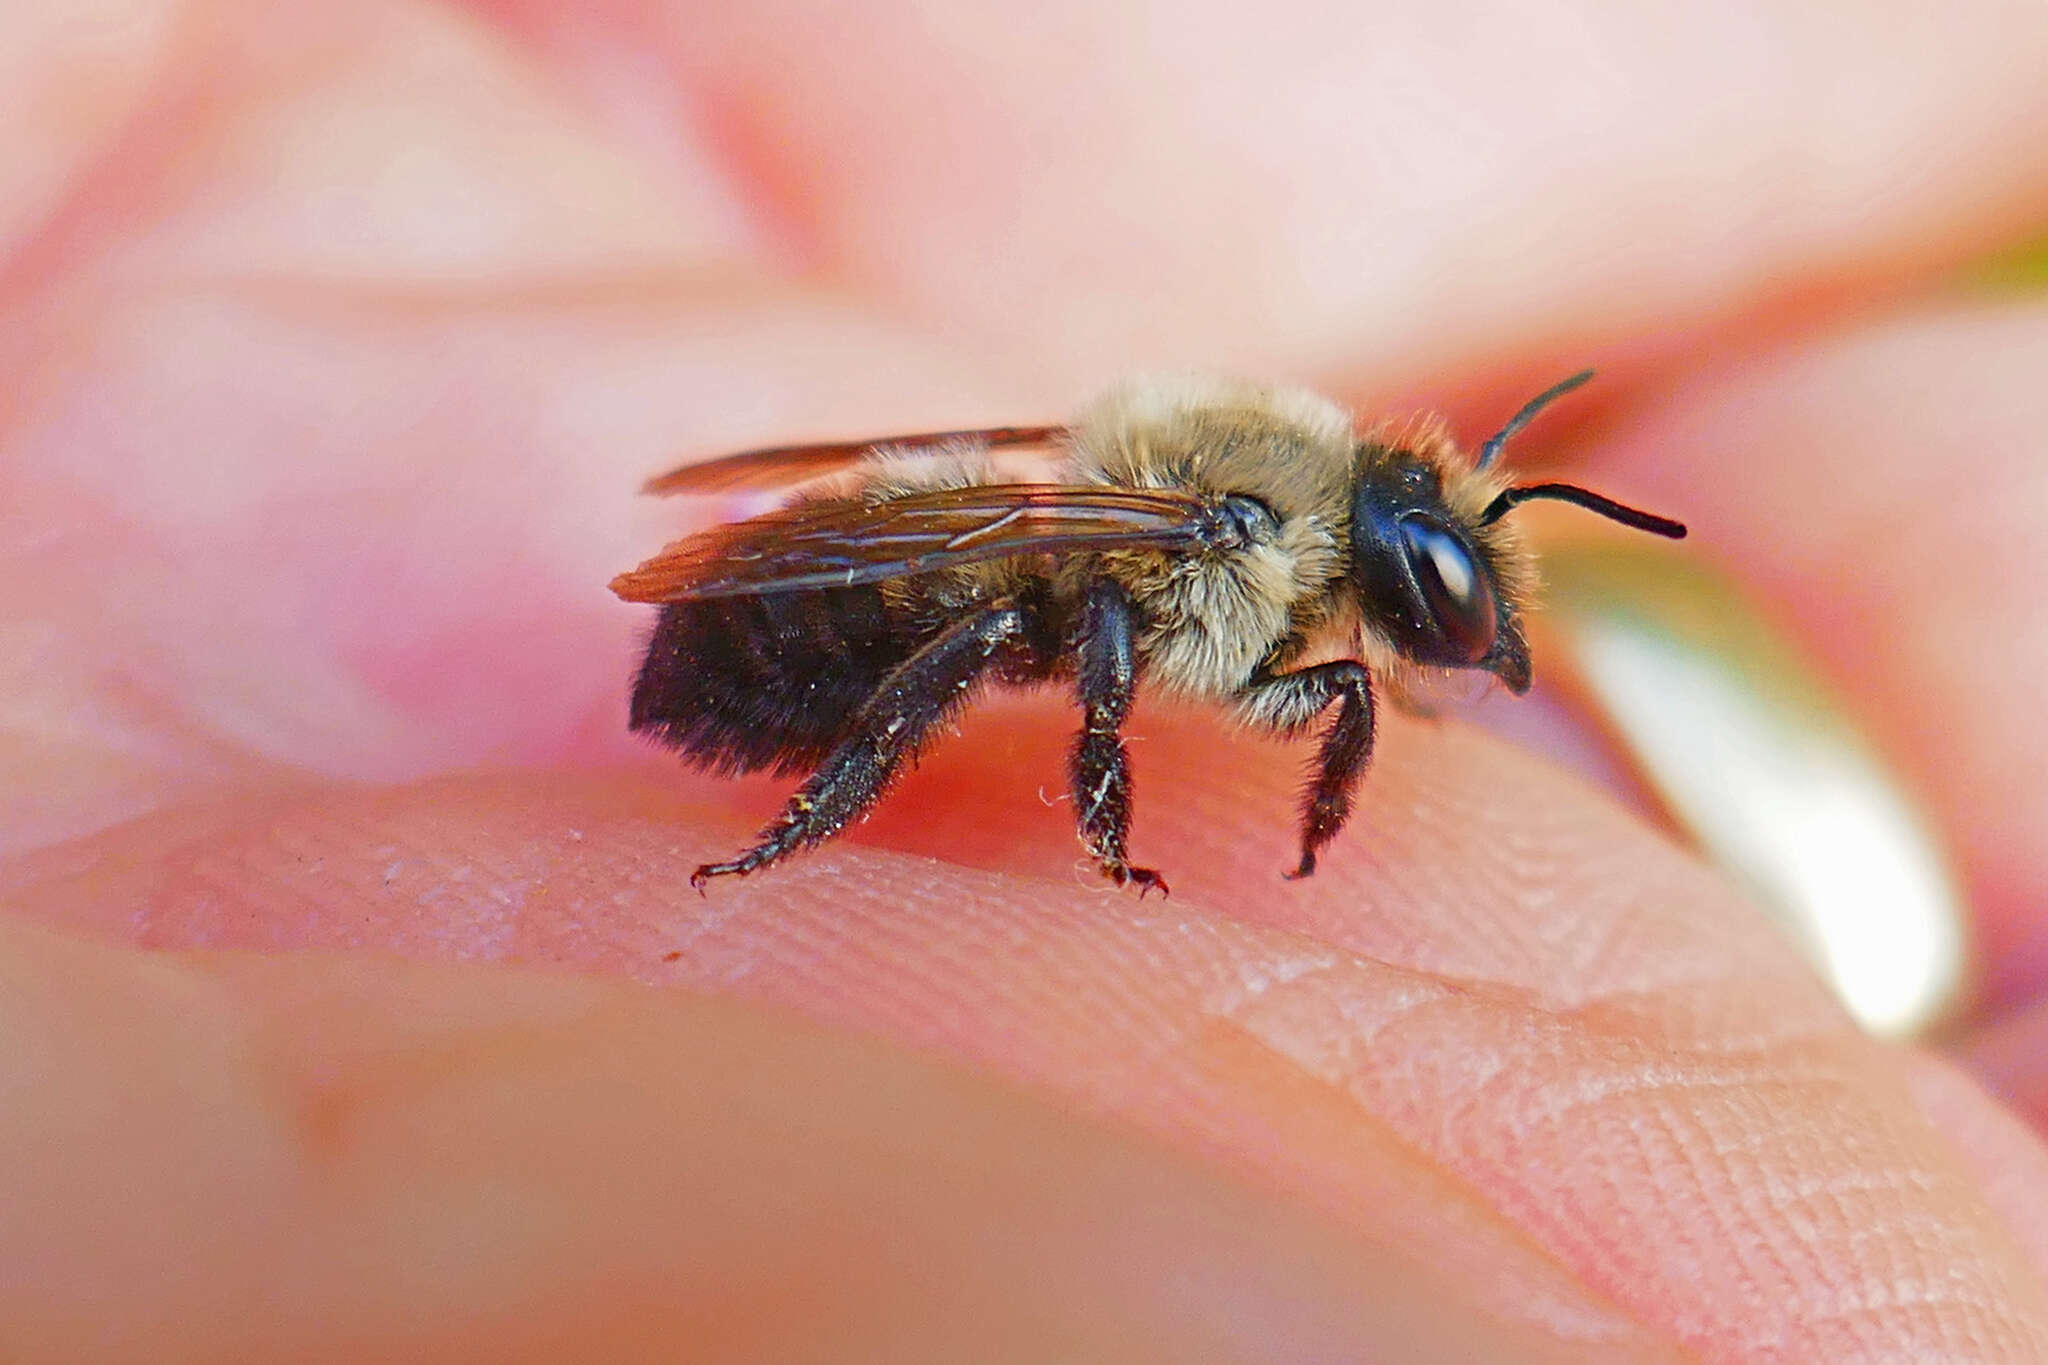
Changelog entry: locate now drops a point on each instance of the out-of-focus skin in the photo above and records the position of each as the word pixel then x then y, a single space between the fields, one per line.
pixel 337 341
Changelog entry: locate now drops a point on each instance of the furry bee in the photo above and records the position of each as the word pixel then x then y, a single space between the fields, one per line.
pixel 1214 539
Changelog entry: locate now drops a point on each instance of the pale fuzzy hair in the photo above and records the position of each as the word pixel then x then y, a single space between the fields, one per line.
pixel 1169 399
pixel 894 471
pixel 1214 620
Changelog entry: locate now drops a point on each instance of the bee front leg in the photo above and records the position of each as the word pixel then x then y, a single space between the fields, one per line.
pixel 1099 769
pixel 921 692
pixel 1287 703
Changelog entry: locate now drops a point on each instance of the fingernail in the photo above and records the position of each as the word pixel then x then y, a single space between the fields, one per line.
pixel 1750 753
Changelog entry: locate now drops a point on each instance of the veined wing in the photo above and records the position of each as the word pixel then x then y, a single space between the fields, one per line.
pixel 838 542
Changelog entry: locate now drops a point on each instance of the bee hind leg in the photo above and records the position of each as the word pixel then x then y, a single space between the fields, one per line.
pixel 1099 768
pixel 918 694
pixel 1287 703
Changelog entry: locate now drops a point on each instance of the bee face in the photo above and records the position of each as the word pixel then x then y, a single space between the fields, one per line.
pixel 1425 579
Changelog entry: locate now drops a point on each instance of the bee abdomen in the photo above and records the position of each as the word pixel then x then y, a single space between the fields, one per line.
pixel 740 684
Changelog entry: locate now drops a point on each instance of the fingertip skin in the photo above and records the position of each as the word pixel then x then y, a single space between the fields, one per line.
pixel 1666 1136
pixel 2005 1154
pixel 346 1157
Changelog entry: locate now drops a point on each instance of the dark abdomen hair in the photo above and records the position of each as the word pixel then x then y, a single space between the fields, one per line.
pixel 770 681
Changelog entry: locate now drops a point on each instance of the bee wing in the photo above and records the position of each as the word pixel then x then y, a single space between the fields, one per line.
pixel 839 542
pixel 779 466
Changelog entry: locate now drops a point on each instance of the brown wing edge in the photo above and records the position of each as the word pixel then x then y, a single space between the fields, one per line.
pixel 843 542
pixel 779 466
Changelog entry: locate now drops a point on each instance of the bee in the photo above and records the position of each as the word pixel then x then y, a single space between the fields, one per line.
pixel 1218 540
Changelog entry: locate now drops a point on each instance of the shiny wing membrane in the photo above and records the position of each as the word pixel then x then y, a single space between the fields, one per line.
pixel 780 466
pixel 838 542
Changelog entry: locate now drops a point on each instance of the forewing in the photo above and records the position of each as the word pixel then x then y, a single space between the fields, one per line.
pixel 839 542
pixel 780 466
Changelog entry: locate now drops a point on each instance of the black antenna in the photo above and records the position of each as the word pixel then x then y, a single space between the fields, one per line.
pixel 1581 497
pixel 1489 452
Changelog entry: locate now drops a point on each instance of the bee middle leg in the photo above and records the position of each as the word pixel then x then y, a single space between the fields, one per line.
pixel 1099 769
pixel 917 695
pixel 1287 703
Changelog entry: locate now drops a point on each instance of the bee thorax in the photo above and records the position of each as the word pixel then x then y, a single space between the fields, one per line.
pixel 1211 621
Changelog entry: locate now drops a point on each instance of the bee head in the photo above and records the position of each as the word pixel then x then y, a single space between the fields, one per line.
pixel 1433 571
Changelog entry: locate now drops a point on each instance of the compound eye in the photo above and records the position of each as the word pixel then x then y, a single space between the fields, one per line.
pixel 1455 588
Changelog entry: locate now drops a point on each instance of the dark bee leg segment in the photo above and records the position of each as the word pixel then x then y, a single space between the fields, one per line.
pixel 1099 769
pixel 916 696
pixel 1287 702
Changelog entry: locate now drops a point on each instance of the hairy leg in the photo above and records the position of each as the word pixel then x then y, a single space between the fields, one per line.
pixel 1099 769
pixel 915 697
pixel 1287 703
